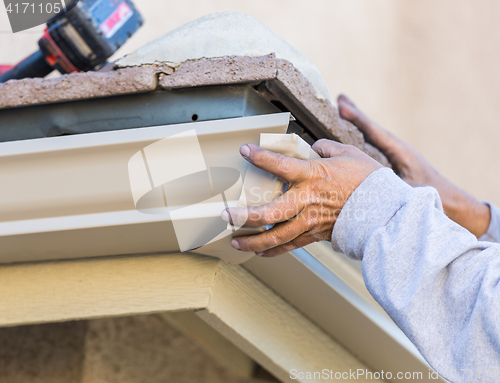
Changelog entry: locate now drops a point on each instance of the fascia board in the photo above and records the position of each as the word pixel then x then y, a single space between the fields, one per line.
pixel 44 292
pixel 272 332
pixel 140 135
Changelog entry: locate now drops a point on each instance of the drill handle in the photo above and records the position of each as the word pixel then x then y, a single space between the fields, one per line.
pixel 32 66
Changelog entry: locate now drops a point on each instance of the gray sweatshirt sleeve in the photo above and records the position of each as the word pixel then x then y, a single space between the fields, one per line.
pixel 493 233
pixel 434 278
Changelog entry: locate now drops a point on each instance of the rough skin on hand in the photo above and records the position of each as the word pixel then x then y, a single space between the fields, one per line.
pixel 317 192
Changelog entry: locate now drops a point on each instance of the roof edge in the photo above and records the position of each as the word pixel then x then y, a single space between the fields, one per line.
pixel 281 79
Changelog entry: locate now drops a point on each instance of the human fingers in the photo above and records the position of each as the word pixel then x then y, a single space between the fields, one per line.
pixel 297 243
pixel 328 148
pixel 280 209
pixel 373 133
pixel 278 235
pixel 285 168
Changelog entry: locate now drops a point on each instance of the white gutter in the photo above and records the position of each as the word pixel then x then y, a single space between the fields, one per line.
pixel 71 196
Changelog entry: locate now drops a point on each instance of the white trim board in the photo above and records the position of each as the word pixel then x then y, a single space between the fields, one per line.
pixel 339 309
pixel 229 298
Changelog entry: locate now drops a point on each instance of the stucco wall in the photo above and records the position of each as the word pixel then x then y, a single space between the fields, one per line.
pixel 114 350
pixel 427 70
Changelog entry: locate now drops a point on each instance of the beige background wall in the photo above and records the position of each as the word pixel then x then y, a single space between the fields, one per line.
pixel 427 69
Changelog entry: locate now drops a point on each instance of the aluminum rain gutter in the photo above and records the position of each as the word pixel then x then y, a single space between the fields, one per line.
pixel 71 197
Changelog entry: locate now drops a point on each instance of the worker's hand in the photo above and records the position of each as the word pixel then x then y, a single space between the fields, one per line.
pixel 317 191
pixel 417 171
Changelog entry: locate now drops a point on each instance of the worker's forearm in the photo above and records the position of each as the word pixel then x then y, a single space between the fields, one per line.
pixel 436 281
pixel 468 212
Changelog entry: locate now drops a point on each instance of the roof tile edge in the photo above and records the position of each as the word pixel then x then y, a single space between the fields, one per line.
pixel 278 74
pixel 77 86
pixel 221 71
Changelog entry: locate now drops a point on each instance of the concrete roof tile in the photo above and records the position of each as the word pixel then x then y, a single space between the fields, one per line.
pixel 276 79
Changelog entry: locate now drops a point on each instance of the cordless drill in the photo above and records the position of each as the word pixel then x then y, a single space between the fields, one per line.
pixel 80 39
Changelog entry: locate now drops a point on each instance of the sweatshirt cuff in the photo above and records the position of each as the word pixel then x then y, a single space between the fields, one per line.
pixel 372 205
pixel 493 233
